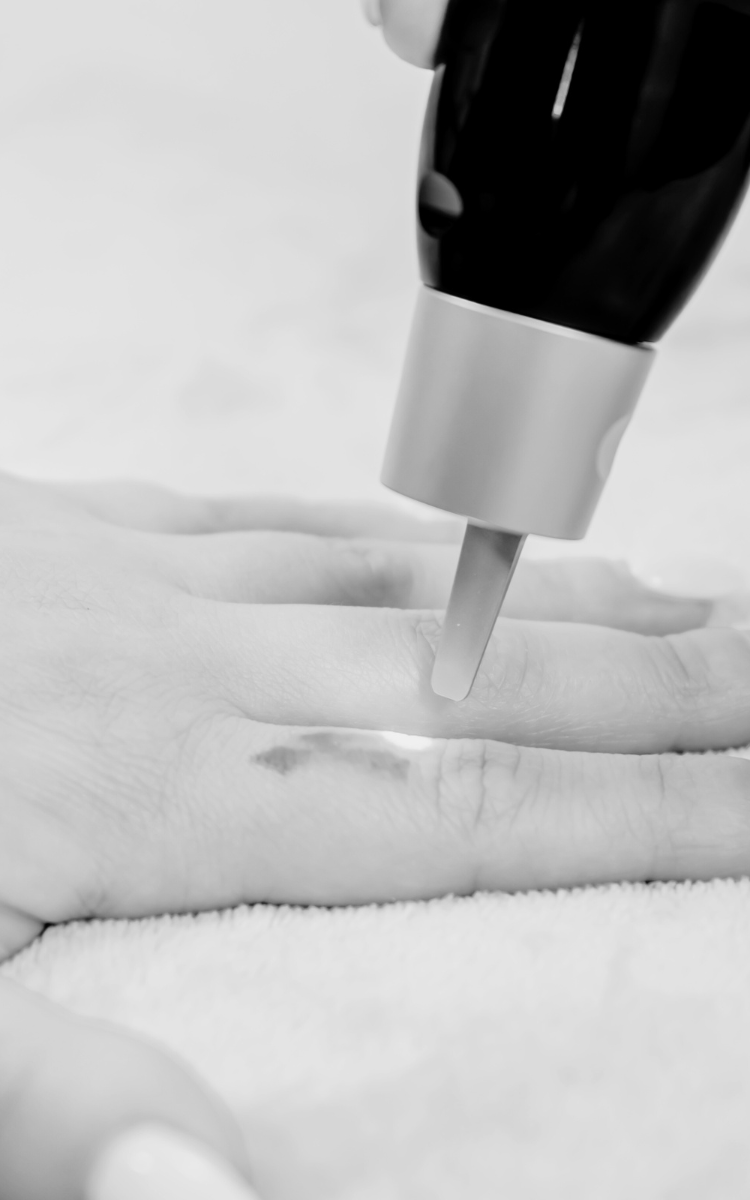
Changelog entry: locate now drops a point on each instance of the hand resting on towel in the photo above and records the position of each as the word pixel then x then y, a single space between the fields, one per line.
pixel 210 702
pixel 205 703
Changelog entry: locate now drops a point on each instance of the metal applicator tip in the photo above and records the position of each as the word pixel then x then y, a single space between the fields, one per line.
pixel 485 569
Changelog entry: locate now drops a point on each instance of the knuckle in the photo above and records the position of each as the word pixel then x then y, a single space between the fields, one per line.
pixel 638 812
pixel 514 674
pixel 696 666
pixel 661 776
pixel 697 814
pixel 460 790
pixel 479 790
pixel 423 631
pixel 683 668
pixel 513 670
pixel 419 634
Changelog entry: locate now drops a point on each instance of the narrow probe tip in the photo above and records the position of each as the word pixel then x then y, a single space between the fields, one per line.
pixel 485 569
pixel 451 679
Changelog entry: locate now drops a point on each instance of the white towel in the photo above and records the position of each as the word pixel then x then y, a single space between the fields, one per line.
pixel 208 255
pixel 567 1046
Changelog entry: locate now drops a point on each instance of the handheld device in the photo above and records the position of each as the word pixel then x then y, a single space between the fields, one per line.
pixel 581 161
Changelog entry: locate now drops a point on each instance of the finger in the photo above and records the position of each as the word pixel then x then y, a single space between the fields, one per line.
pixel 597 592
pixel 295 568
pixel 371 10
pixel 148 507
pixel 89 1111
pixel 411 27
pixel 342 816
pixel 274 568
pixel 562 686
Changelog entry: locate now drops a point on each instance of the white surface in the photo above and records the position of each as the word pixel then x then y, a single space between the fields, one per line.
pixel 206 270
pixel 590 1045
pixel 206 242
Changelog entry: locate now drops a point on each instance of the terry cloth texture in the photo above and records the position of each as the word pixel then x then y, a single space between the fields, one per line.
pixel 574 1046
pixel 208 269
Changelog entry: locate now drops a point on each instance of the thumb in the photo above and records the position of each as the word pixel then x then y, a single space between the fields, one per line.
pixel 411 27
pixel 93 1113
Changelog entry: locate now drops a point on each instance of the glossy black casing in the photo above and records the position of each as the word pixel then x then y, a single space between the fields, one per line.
pixel 582 159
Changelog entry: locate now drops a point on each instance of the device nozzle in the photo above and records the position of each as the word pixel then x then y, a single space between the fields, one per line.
pixel 485 569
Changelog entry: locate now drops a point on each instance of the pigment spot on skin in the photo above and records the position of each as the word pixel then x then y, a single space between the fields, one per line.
pixel 354 750
pixel 283 759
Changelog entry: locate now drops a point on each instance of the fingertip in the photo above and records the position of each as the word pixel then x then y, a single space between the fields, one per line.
pixel 412 28
pixel 157 1162
pixel 661 610
pixel 603 592
pixel 690 576
pixel 371 10
pixel 671 614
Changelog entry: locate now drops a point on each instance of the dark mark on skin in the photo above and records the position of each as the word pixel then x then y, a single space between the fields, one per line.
pixel 354 750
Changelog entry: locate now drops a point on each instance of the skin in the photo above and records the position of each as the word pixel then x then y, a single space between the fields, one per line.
pixel 204 703
pixel 410 27
pixel 211 702
pixel 222 698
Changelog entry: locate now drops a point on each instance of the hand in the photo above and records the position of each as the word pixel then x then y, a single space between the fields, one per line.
pixel 190 720
pixel 411 27
pixel 178 706
pixel 91 1113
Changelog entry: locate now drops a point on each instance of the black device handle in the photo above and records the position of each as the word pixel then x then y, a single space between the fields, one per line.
pixel 582 159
